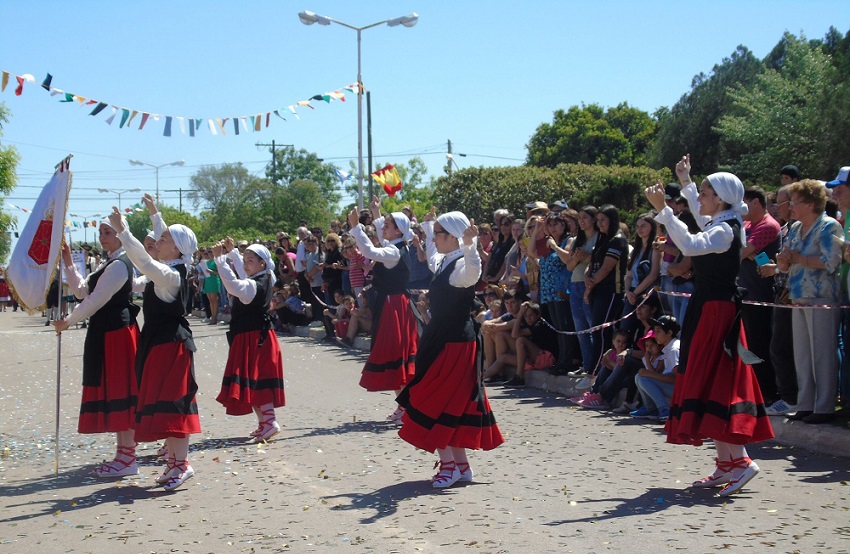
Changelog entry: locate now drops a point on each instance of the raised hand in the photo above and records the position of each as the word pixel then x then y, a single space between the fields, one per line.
pixel 655 195
pixel 470 232
pixel 116 220
pixel 66 255
pixel 432 215
pixel 217 249
pixel 150 203
pixel 228 244
pixel 683 169
pixel 353 217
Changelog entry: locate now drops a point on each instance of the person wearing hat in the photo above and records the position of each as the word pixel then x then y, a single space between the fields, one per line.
pixel 391 362
pixel 109 382
pixel 253 375
pixel 536 208
pixel 655 384
pixel 558 206
pixel 166 407
pixel 841 194
pixel 716 395
pixel 446 407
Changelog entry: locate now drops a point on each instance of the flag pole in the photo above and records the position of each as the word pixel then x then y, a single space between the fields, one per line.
pixel 61 166
pixel 58 375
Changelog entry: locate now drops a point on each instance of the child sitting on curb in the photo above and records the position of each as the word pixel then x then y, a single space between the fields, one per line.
pixel 656 385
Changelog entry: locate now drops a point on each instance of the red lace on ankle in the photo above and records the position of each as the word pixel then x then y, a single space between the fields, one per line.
pixel 739 463
pixel 447 469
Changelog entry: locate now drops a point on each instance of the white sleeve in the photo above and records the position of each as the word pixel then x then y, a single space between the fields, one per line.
pixel 430 247
pixel 715 240
pixel 159 226
pixel 110 282
pixel 388 255
pixel 467 271
pixel 78 284
pixel 166 280
pixel 202 267
pixel 243 289
pixel 139 283
pixel 235 257
pixel 300 258
pixel 691 194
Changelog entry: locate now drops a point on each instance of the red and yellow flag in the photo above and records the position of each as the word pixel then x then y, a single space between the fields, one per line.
pixel 389 179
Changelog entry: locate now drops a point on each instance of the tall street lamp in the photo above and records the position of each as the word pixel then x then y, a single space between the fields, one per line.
pixel 119 193
pixel 308 18
pixel 156 167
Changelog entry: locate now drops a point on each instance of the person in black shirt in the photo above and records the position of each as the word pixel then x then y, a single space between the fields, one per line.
pixel 534 340
pixel 604 277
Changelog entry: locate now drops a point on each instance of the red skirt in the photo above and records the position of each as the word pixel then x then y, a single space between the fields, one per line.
pixel 717 397
pixel 253 375
pixel 167 406
pixel 448 406
pixel 111 407
pixel 392 361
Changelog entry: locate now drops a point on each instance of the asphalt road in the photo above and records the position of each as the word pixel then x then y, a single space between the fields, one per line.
pixel 338 476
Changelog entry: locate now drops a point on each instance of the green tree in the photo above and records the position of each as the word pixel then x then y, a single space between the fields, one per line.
pixel 690 125
pixel 214 187
pixel 589 134
pixel 788 115
pixel 9 159
pixel 140 222
pixel 291 165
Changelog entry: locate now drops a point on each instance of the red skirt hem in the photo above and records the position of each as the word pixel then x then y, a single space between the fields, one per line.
pixel 111 406
pixel 167 406
pixel 392 361
pixel 717 397
pixel 253 375
pixel 448 407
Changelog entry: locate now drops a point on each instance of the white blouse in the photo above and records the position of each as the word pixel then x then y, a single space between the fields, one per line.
pixel 467 270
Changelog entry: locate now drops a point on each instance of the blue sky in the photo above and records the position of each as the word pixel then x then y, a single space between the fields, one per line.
pixel 483 74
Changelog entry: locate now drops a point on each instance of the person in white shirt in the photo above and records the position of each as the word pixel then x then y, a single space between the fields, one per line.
pixel 109 381
pixel 166 407
pixel 438 412
pixel 253 376
pixel 391 362
pixel 656 384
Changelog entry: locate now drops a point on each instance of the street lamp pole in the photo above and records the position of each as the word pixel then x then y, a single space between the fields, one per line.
pixel 119 193
pixel 156 168
pixel 308 18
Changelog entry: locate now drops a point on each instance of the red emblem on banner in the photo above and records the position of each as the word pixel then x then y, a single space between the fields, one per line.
pixel 39 250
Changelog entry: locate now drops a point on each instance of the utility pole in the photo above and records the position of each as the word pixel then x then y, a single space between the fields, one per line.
pixel 273 146
pixel 180 190
pixel 449 156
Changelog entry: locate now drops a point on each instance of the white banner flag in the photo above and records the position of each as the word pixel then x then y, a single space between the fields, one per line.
pixel 36 256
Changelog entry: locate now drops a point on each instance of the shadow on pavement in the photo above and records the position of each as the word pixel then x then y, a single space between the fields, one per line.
pixel 385 501
pixel 654 501
pixel 348 427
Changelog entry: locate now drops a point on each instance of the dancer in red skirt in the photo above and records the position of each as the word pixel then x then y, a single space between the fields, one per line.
pixel 109 381
pixel 253 377
pixel 391 362
pixel 717 396
pixel 166 408
pixel 446 407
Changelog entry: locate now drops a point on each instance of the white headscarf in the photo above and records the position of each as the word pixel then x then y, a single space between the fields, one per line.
pixel 403 224
pixel 455 223
pixel 730 189
pixel 185 241
pixel 108 224
pixel 150 235
pixel 263 253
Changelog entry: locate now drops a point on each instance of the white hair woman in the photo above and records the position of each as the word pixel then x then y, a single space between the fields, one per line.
pixel 717 395
pixel 438 412
pixel 166 407
pixel 253 376
pixel 390 365
pixel 109 382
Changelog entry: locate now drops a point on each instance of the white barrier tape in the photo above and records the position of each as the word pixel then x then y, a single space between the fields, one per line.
pixel 766 304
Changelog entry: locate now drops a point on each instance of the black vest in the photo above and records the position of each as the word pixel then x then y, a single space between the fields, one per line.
pixel 392 281
pixel 118 312
pixel 164 321
pixel 253 316
pixel 715 274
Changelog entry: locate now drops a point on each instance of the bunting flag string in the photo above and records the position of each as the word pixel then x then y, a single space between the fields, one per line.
pixel 85 221
pixel 216 125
